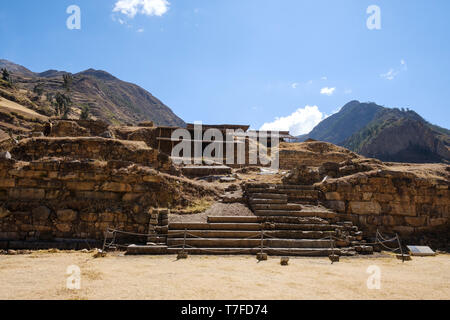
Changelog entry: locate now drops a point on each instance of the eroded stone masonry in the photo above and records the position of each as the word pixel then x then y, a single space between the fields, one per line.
pixel 71 199
pixel 75 179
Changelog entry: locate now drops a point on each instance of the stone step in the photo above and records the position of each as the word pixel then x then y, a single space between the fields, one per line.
pixel 292 186
pixel 234 219
pixel 214 226
pixel 280 189
pixel 259 219
pixel 296 213
pixel 273 206
pixel 253 226
pixel 250 243
pixel 299 252
pixel 294 193
pixel 314 202
pixel 262 190
pixel 269 196
pixel 268 201
pixel 262 185
pixel 280 234
pixel 147 249
pixel 256 226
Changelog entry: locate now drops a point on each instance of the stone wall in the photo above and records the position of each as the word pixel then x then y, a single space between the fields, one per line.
pixel 53 199
pixel 90 148
pixel 77 128
pixel 313 153
pixel 393 201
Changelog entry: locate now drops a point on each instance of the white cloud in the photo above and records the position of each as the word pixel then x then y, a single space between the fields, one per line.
pixel 131 8
pixel 302 121
pixel 327 91
pixel 140 30
pixel 295 85
pixel 392 73
pixel 404 65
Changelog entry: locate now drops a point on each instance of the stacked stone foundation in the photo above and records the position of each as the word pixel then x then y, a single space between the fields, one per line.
pixel 53 199
pixel 392 202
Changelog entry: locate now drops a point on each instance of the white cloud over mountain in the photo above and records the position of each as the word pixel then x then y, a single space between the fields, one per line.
pixel 302 121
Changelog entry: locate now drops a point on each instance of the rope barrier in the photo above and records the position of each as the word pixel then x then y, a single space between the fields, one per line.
pixel 379 240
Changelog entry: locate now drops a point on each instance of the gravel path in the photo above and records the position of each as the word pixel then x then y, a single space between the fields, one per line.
pixel 217 209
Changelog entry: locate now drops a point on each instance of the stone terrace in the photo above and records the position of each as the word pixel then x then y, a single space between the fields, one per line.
pixel 90 148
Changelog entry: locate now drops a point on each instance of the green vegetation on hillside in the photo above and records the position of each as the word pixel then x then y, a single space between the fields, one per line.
pixel 376 131
pixel 109 98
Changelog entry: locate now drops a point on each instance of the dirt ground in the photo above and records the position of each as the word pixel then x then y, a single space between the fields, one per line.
pixel 42 275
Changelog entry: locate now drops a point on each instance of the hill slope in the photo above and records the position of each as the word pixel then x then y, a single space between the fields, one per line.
pixel 109 98
pixel 387 134
pixel 351 118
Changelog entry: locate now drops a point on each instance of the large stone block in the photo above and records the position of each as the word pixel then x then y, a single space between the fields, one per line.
pixel 128 197
pixel 67 215
pixel 403 209
pixel 332 196
pixel 7 183
pixel 367 196
pixel 32 194
pixel 403 230
pixel 154 179
pixel 80 185
pixel 338 206
pixel 106 217
pixel 383 197
pixel 34 174
pixel 116 187
pixel 4 213
pixel 416 221
pixel 365 207
pixel 438 222
pixel 27 183
pixel 41 213
pixel 89 217
pixel 63 227
pixel 121 217
pixel 142 218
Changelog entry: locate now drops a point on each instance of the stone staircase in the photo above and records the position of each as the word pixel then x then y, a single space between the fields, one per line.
pixel 288 222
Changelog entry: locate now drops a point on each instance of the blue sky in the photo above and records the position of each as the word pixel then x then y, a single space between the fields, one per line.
pixel 247 61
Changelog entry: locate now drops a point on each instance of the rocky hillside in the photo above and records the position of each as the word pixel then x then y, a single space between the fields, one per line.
pixel 387 134
pixel 353 117
pixel 107 97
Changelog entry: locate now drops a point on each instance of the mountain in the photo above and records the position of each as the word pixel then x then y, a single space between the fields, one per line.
pixel 109 98
pixel 351 118
pixel 16 69
pixel 387 134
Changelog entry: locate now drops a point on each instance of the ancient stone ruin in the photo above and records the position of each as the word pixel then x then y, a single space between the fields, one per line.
pixel 83 184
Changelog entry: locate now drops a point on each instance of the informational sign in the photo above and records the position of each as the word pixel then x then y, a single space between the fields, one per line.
pixel 421 251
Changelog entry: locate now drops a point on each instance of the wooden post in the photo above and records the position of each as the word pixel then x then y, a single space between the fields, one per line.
pixel 262 240
pixel 184 241
pixel 400 246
